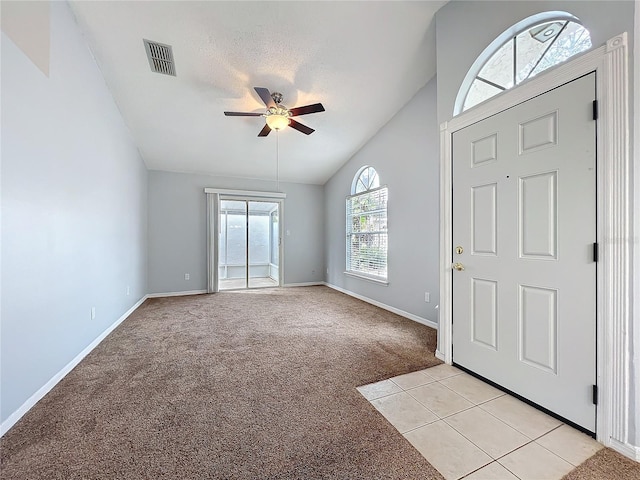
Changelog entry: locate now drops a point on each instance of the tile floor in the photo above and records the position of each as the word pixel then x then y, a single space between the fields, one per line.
pixel 467 429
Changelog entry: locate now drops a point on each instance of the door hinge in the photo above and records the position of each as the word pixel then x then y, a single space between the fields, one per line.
pixel 595 394
pixel 595 109
pixel 596 252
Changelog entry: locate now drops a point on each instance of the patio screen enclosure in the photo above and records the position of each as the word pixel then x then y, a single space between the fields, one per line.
pixel 248 244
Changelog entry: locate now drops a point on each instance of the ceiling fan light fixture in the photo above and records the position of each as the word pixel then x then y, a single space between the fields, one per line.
pixel 277 115
pixel 277 122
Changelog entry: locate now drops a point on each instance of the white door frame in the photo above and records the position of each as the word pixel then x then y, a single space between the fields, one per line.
pixel 213 209
pixel 614 229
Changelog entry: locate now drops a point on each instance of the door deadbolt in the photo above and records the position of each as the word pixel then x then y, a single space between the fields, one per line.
pixel 459 250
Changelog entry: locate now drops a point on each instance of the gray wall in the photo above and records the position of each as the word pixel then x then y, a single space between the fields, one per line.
pixel 74 193
pixel 177 229
pixel 405 154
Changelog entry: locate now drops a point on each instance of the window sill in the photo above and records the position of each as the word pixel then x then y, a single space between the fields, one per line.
pixel 369 279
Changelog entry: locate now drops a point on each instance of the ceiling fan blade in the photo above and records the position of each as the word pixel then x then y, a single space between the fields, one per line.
pixel 316 107
pixel 242 114
pixel 265 131
pixel 300 127
pixel 265 95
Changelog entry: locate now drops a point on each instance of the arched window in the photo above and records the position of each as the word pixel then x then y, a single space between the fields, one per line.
pixel 520 53
pixel 367 234
pixel 366 179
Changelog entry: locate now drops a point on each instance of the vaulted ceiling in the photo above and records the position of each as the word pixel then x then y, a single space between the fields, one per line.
pixel 362 60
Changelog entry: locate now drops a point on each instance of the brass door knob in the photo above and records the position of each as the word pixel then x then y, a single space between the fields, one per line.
pixel 458 266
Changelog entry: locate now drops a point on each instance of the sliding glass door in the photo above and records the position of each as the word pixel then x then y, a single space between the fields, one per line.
pixel 249 244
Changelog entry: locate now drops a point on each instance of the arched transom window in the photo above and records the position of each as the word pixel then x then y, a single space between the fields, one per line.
pixel 538 47
pixel 367 234
pixel 366 179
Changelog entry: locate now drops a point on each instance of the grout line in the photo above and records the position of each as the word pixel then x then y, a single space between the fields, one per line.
pixel 411 429
pixel 551 451
pixel 519 431
pixel 460 395
pixel 547 433
pixel 381 396
pixel 514 450
pixel 502 394
pixel 427 407
pixel 478 446
pixel 494 461
pixel 485 465
pixel 417 386
pixel 421 426
pixel 429 377
pixel 507 469
pixel 474 405
pixel 501 421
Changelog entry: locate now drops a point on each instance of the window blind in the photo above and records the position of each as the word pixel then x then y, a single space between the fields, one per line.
pixel 367 234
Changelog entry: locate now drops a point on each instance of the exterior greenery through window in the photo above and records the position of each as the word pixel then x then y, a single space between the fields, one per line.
pixel 525 55
pixel 367 234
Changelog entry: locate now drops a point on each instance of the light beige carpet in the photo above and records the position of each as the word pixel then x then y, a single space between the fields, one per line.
pixel 606 465
pixel 236 385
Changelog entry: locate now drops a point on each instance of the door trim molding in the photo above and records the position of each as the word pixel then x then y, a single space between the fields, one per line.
pixel 213 198
pixel 245 193
pixel 614 232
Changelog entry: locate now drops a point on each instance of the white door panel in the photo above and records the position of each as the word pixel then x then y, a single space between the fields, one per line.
pixel 484 211
pixel 524 212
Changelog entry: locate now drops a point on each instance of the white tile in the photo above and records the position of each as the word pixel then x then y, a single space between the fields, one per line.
pixel 471 388
pixel 442 371
pixel 493 471
pixel 379 389
pixel 439 399
pixel 532 462
pixel 403 411
pixel 487 432
pixel 524 418
pixel 412 380
pixel 449 452
pixel 570 444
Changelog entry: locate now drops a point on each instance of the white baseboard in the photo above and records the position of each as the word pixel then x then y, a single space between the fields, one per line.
pixel 35 398
pixel 397 311
pixel 176 294
pixel 304 284
pixel 626 449
pixel 439 355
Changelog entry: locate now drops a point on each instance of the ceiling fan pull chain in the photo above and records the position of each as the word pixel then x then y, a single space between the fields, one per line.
pixel 277 161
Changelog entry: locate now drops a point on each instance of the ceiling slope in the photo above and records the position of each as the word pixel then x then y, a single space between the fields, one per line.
pixel 362 60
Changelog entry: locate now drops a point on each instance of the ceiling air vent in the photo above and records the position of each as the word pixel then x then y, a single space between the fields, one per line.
pixel 160 57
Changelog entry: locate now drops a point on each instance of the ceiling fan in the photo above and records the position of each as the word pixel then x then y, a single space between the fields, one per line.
pixel 277 115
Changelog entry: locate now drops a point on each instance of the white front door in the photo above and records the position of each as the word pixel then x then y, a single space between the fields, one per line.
pixel 524 217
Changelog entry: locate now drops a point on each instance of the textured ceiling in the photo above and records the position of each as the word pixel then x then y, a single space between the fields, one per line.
pixel 362 60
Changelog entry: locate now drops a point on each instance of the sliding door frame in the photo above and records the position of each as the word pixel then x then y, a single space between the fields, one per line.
pixel 214 197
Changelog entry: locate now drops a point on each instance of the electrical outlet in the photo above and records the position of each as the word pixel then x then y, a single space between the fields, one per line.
pixel 93 313
pixel 186 276
pixel 128 290
pixel 427 297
